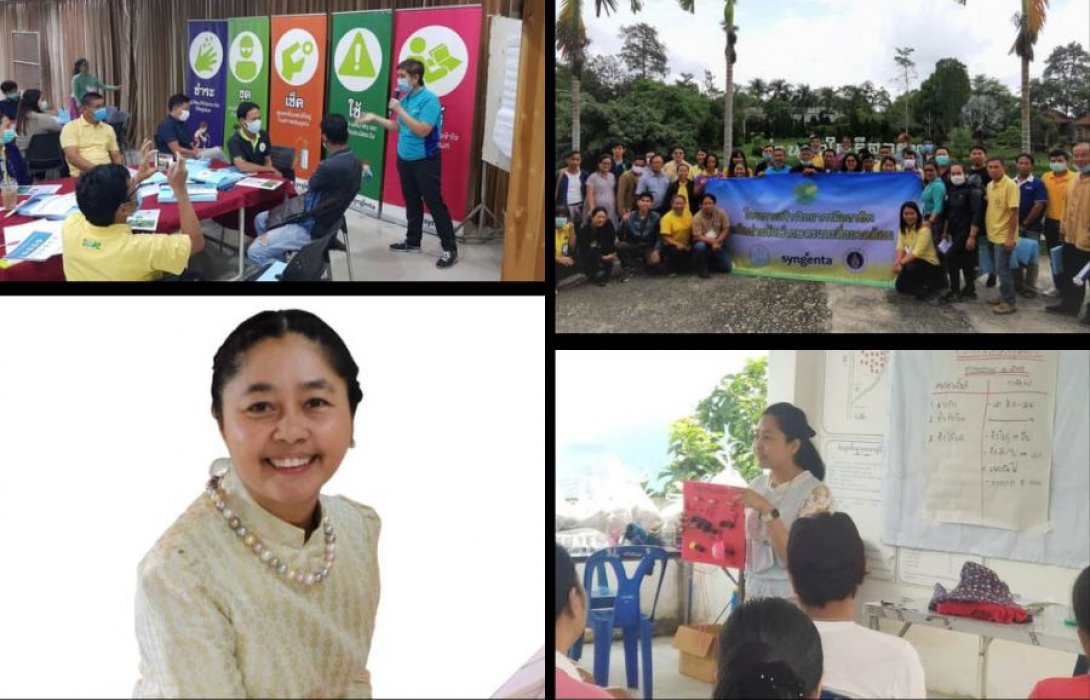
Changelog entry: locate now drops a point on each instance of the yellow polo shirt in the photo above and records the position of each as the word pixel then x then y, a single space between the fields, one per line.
pixel 95 143
pixel 115 254
pixel 919 243
pixel 679 228
pixel 1003 200
pixel 564 236
pixel 1057 192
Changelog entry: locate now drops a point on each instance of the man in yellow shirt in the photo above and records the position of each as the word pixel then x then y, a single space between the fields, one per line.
pixel 89 140
pixel 1001 225
pixel 564 253
pixel 1057 182
pixel 676 232
pixel 100 246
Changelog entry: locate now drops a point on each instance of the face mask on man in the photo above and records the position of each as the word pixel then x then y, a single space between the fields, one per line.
pixel 43 105
pixel 13 95
pixel 9 136
pixel 957 179
pixel 638 169
pixel 768 157
pixel 99 114
pixel 806 161
pixel 909 163
pixel 560 221
pixel 1058 167
pixel 942 160
pixel 254 127
pixel 403 85
pixel 184 116
pixel 1084 169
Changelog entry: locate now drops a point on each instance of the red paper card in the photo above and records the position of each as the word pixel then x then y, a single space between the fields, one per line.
pixel 713 527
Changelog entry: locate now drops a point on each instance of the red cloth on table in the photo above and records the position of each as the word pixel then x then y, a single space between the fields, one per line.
pixel 990 612
pixel 224 211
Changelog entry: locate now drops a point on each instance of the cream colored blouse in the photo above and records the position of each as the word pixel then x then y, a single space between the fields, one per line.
pixel 212 620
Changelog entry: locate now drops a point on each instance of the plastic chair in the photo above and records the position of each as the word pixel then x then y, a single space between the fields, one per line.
pixel 44 156
pixel 624 612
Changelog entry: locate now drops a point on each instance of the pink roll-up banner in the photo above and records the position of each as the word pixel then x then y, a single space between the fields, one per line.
pixel 447 41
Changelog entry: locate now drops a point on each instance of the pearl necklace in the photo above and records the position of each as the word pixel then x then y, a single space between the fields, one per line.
pixel 218 496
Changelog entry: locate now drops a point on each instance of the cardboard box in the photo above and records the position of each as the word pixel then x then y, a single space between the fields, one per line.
pixel 698 650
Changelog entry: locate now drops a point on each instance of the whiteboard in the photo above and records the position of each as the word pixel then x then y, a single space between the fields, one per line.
pixel 1067 541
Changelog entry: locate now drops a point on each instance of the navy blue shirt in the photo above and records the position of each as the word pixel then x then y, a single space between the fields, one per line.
pixel 170 129
pixel 10 108
pixel 1031 191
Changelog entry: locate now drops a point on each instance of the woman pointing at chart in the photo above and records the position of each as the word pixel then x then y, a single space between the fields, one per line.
pixel 790 489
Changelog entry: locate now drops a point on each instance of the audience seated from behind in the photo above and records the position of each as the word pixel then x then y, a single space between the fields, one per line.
pixel 571 621
pixel 768 649
pixel 1078 686
pixel 99 244
pixel 826 564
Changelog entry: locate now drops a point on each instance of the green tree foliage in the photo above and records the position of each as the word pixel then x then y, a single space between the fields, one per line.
pixel 734 407
pixel 939 100
pixel 695 456
pixel 643 53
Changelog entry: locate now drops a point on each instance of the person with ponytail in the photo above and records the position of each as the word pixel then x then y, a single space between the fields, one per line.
pixel 769 649
pixel 792 488
pixel 826 562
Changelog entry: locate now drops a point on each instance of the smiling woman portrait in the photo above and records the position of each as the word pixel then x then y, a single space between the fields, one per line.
pixel 265 587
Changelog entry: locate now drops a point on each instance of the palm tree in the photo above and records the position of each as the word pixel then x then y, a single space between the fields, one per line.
pixel 805 98
pixel 731 31
pixel 1029 23
pixel 780 89
pixel 571 39
pixel 758 88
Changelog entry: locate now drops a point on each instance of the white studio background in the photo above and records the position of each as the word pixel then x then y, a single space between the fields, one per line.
pixel 104 409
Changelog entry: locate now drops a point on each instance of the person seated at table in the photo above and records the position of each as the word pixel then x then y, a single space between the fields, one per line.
pixel 99 244
pixel 826 563
pixel 33 120
pixel 768 649
pixel 9 99
pixel 334 183
pixel 571 619
pixel 249 146
pixel 14 165
pixel 1078 686
pixel 173 135
pixel 89 140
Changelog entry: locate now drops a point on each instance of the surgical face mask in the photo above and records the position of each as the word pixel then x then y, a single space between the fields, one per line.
pixel 254 127
pixel 1058 167
pixel 638 169
pixel 768 157
pixel 805 161
pixel 1084 168
pixel 9 135
pixel 43 105
pixel 99 114
pixel 957 179
pixel 560 221
pixel 184 116
pixel 13 95
pixel 909 163
pixel 403 85
pixel 942 160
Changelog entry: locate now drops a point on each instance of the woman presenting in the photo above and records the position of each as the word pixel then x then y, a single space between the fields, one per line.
pixel 792 488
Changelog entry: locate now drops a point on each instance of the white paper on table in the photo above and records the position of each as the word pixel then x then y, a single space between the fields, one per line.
pixel 259 183
pixel 35 190
pixel 54 246
pixel 150 190
pixel 53 206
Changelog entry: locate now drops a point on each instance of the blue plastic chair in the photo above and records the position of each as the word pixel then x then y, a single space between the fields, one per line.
pixel 608 609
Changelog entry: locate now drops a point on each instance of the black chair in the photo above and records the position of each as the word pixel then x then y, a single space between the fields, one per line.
pixel 120 122
pixel 283 159
pixel 308 265
pixel 44 155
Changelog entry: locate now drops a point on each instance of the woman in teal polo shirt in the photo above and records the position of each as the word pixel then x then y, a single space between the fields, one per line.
pixel 418 125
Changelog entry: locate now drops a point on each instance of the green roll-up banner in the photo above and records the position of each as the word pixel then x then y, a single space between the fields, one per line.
pixel 359 81
pixel 248 69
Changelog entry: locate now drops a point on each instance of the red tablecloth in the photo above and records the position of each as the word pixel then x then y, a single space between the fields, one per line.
pixel 224 210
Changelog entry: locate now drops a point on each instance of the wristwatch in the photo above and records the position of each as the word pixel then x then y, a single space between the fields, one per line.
pixel 770 516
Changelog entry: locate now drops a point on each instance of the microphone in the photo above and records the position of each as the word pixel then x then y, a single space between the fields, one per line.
pixel 397 94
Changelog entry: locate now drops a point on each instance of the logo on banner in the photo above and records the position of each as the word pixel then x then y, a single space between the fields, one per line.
pixel 205 55
pixel 297 57
pixel 358 59
pixel 247 57
pixel 855 260
pixel 443 54
pixel 806 191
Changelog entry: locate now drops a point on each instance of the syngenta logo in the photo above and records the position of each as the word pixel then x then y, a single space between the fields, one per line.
pixel 805 260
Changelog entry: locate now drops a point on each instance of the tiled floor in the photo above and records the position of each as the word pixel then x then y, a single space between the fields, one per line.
pixel 668 683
